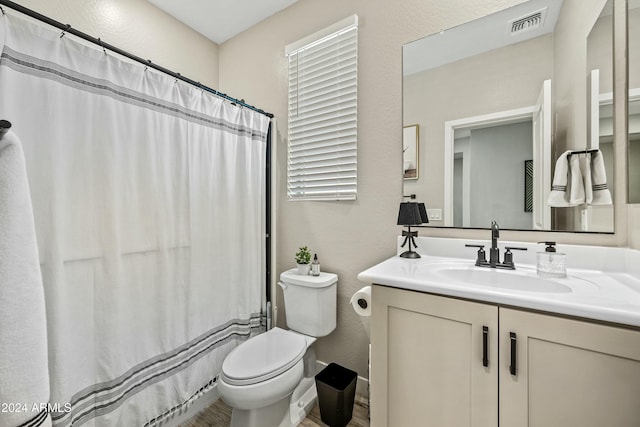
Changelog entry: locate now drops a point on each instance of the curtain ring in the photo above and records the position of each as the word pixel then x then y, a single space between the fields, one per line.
pixel 177 77
pixel 146 67
pixel 102 45
pixel 68 27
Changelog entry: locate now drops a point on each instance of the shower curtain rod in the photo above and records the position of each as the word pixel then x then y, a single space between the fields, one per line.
pixel 69 29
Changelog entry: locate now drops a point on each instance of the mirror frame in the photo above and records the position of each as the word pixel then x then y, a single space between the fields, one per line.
pixel 632 95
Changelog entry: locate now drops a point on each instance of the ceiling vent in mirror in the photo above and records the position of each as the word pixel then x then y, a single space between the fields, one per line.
pixel 528 22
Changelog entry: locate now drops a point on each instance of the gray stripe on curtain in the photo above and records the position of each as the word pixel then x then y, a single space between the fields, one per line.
pixel 102 398
pixel 27 64
pixel 36 421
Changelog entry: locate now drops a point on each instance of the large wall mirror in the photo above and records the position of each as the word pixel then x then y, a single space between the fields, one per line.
pixel 633 170
pixel 498 100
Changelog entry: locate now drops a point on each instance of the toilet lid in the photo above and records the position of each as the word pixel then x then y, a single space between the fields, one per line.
pixel 263 357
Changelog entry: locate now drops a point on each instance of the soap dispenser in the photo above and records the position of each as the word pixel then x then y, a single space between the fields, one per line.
pixel 551 264
pixel 315 266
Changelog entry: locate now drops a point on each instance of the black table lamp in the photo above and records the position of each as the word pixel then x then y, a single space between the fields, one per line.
pixel 411 214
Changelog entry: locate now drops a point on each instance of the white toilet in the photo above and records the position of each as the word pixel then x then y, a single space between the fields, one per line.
pixel 268 380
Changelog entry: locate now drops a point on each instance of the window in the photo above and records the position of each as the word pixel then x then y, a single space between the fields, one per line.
pixel 323 125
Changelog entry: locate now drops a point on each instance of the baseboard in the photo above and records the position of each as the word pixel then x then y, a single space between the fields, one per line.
pixel 198 405
pixel 362 385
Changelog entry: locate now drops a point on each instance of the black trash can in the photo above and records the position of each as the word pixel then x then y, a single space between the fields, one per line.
pixel 336 387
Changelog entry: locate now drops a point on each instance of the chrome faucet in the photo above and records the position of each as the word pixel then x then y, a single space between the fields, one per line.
pixel 494 252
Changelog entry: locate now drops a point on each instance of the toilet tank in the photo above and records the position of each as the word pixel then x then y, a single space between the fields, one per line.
pixel 310 302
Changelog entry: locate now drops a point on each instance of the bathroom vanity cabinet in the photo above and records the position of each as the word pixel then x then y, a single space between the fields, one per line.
pixel 441 361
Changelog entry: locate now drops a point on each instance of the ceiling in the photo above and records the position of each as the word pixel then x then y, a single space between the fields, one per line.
pixel 220 20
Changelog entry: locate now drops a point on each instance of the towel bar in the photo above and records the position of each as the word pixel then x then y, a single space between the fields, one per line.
pixel 583 151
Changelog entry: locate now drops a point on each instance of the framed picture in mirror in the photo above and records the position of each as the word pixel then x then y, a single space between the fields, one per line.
pixel 410 152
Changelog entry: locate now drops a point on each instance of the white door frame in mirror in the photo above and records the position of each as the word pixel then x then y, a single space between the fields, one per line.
pixel 540 115
pixel 542 158
pixel 594 117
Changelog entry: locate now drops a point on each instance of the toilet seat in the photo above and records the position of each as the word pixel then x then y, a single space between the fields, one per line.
pixel 263 357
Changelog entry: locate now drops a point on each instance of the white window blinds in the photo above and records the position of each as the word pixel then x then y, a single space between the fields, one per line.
pixel 323 112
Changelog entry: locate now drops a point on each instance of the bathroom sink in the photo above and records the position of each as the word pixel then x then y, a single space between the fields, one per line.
pixel 503 279
pixel 602 284
pixel 522 279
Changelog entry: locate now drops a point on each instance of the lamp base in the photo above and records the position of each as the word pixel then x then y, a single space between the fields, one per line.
pixel 410 254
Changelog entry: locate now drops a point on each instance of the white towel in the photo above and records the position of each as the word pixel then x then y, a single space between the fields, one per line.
pixel 601 194
pixel 559 196
pixel 24 375
pixel 576 183
pixel 585 171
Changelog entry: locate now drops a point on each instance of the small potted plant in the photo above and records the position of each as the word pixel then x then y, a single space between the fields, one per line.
pixel 303 260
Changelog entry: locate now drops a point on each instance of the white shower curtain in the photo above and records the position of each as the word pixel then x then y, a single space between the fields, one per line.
pixel 149 203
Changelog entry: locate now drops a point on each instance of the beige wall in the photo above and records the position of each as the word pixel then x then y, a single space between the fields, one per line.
pixel 348 236
pixel 140 28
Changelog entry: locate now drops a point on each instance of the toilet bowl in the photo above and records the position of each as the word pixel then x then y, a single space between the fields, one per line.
pixel 268 380
pixel 259 376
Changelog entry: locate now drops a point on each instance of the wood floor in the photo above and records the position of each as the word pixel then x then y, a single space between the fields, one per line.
pixel 219 415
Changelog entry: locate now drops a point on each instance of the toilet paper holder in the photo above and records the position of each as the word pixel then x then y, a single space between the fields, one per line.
pixel 361 301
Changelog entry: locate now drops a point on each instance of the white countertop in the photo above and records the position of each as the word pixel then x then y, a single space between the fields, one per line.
pixel 599 294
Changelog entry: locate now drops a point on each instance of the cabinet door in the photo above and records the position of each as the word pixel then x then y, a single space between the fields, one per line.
pixel 427 361
pixel 569 373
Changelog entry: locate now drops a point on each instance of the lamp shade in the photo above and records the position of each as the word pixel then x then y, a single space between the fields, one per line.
pixel 423 213
pixel 409 214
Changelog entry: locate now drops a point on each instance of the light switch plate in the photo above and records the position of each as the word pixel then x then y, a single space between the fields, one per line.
pixel 434 214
